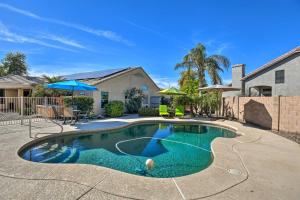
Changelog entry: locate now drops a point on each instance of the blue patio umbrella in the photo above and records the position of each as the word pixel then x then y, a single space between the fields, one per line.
pixel 71 85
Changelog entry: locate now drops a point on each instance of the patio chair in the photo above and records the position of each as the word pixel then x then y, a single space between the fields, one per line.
pixel 84 115
pixel 163 110
pixel 63 113
pixel 58 114
pixel 179 111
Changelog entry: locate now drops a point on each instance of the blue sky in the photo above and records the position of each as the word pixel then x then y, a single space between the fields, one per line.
pixel 61 37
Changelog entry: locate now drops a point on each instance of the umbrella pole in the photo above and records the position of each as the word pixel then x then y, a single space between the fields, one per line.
pixel 73 117
pixel 172 106
pixel 73 98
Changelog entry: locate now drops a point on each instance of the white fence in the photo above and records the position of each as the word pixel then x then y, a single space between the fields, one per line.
pixel 18 110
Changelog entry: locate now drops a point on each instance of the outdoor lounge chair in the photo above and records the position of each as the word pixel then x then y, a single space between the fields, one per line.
pixel 179 111
pixel 163 110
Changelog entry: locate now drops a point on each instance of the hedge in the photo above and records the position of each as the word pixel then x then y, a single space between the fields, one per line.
pixel 83 103
pixel 148 112
pixel 114 109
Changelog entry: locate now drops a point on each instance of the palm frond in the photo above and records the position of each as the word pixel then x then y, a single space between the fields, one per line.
pixel 213 70
pixel 186 62
pixel 52 79
pixel 198 59
pixel 222 60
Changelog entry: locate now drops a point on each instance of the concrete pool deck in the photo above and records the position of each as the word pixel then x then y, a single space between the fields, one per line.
pixel 255 165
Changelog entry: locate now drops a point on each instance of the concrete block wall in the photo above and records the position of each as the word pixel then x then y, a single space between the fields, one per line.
pixel 258 110
pixel 230 107
pixel 290 114
pixel 276 113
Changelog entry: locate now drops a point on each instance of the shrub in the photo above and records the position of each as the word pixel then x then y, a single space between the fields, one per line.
pixel 148 112
pixel 114 109
pixel 83 103
pixel 165 101
pixel 134 98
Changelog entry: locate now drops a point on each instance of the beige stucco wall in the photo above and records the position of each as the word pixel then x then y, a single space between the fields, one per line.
pixel 14 92
pixel 11 92
pixel 118 85
pixel 8 101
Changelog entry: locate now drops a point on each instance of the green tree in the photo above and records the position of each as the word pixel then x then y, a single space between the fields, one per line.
pixel 2 71
pixel 133 100
pixel 55 92
pixel 198 60
pixel 14 63
pixel 209 102
pixel 188 82
pixel 53 79
pixel 40 90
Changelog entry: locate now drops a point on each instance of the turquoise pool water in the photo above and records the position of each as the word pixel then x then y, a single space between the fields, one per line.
pixel 176 149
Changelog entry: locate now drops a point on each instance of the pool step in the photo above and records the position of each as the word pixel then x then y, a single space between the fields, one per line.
pixel 50 149
pixel 45 151
pixel 74 155
pixel 58 156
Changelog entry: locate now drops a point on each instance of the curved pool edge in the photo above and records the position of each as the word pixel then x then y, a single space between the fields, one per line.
pixel 211 172
pixel 78 132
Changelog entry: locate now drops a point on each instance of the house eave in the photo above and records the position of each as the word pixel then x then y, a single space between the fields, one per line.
pixel 273 62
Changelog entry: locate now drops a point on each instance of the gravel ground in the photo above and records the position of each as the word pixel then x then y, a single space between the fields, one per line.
pixel 291 136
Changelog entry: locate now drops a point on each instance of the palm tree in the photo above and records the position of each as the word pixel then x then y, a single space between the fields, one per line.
pixel 52 79
pixel 185 76
pixel 197 59
pixel 55 93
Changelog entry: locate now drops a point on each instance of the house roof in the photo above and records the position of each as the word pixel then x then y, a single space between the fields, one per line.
pixel 94 78
pixel 16 81
pixel 273 62
pixel 94 75
pixel 221 88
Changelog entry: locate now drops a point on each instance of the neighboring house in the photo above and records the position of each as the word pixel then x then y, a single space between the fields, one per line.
pixel 113 83
pixel 17 86
pixel 280 76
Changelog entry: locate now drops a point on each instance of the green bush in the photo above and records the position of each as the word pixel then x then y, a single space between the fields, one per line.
pixel 134 98
pixel 148 112
pixel 83 103
pixel 114 109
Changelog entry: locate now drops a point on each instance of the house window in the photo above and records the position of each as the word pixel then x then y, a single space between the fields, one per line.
pixel 26 93
pixel 266 92
pixel 279 76
pixel 144 88
pixel 2 95
pixel 104 99
pixel 145 99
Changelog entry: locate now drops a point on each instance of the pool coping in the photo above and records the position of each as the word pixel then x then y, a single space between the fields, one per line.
pixel 212 166
pixel 78 132
pixel 213 180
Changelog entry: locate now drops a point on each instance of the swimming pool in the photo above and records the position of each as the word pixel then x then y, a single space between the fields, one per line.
pixel 176 149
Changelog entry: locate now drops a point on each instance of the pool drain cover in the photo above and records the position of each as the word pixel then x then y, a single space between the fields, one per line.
pixel 235 172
